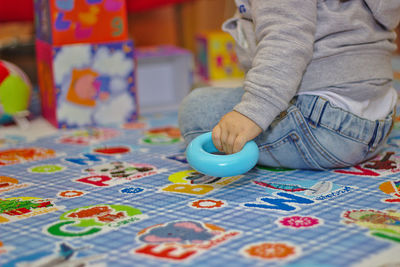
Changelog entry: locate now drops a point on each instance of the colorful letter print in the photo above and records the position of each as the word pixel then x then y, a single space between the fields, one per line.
pixel 19 208
pixel 90 220
pixel 194 183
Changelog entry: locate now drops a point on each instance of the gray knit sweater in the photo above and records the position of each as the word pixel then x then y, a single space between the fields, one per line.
pixel 290 46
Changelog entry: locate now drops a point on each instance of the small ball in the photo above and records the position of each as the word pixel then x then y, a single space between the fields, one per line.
pixel 15 91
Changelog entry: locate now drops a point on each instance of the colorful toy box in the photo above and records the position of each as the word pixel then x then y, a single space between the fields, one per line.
pixel 216 57
pixel 173 68
pixel 86 67
pixel 87 84
pixel 80 21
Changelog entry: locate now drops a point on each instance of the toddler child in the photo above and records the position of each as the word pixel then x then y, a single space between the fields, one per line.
pixel 317 92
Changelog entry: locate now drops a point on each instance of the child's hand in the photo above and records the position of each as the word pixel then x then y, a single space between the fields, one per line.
pixel 233 131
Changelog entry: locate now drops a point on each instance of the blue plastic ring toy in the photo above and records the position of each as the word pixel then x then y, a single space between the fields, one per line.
pixel 199 156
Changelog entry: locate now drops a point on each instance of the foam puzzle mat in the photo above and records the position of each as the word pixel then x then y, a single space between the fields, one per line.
pixel 127 197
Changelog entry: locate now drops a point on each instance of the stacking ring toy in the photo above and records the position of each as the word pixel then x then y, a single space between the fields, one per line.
pixel 199 156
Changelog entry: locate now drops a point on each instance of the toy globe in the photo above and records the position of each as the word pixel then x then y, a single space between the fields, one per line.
pixel 15 92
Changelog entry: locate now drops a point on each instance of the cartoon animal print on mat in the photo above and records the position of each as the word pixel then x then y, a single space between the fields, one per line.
pixel 117 172
pixel 181 240
pixel 383 224
pixel 185 232
pixel 382 165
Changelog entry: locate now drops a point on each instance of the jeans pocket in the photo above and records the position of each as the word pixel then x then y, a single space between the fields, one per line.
pixel 334 150
pixel 289 152
pixel 310 147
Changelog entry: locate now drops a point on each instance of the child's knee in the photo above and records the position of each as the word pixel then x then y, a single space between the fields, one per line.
pixel 192 111
pixel 193 103
pixel 197 97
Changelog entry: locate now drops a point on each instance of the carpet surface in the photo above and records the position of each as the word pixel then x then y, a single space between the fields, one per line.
pixel 127 197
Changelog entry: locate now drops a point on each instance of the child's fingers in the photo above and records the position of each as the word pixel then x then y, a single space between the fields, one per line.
pixel 224 141
pixel 230 142
pixel 239 143
pixel 216 137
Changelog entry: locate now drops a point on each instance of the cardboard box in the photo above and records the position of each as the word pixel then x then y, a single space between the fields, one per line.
pixel 216 57
pixel 80 21
pixel 164 77
pixel 87 84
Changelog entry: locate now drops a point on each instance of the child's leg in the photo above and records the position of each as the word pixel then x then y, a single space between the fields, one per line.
pixel 202 109
pixel 312 134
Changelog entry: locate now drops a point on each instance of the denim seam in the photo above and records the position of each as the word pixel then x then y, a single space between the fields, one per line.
pixel 312 109
pixel 379 135
pixel 385 134
pixel 308 159
pixel 267 147
pixel 274 158
pixel 368 148
pixel 371 143
pixel 280 141
pixel 322 112
pixel 315 124
pixel 342 134
pixel 288 138
pixel 315 144
pixel 298 116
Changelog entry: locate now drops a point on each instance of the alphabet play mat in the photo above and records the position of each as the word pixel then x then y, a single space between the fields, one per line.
pixel 127 197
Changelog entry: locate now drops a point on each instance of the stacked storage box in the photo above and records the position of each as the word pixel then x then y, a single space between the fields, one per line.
pixel 85 60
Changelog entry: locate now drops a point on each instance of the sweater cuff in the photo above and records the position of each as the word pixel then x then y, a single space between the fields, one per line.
pixel 259 110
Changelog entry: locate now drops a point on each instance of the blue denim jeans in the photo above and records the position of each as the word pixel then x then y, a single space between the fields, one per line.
pixel 310 134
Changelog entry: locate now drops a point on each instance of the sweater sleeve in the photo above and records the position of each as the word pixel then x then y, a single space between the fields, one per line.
pixel 284 34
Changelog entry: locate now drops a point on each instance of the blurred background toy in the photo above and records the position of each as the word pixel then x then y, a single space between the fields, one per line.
pixel 85 63
pixel 216 56
pixel 15 94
